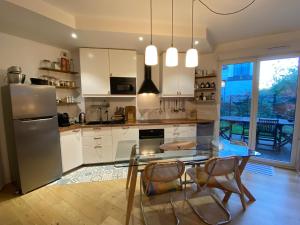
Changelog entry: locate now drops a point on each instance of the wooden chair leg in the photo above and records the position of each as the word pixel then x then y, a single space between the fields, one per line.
pixel 128 176
pixel 242 197
pixel 241 189
pixel 226 197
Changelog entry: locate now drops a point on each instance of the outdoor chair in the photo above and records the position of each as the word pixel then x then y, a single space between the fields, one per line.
pixel 161 179
pixel 266 132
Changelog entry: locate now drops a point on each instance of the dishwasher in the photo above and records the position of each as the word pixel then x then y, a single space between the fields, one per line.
pixel 150 140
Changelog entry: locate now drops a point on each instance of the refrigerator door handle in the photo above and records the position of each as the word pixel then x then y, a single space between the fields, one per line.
pixel 37 119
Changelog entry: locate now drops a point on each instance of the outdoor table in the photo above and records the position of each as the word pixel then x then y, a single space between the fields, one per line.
pixel 205 147
pixel 246 120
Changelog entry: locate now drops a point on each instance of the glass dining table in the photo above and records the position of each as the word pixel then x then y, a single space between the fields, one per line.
pixel 190 150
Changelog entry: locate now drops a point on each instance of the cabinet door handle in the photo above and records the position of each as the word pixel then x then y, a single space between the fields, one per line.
pixel 98 146
pixel 97 138
pixel 125 127
pixel 97 128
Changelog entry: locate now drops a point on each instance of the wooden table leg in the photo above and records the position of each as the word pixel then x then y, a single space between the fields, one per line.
pixel 241 169
pixel 131 193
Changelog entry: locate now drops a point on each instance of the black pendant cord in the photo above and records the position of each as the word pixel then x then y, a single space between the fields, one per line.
pixel 193 23
pixel 172 22
pixel 151 21
pixel 229 13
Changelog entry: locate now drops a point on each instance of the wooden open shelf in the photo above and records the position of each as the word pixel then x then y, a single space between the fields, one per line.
pixel 61 87
pixel 65 103
pixel 206 89
pixel 59 71
pixel 206 102
pixel 209 76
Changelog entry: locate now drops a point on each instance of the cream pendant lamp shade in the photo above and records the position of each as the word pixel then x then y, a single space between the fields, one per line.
pixel 172 52
pixel 172 57
pixel 191 57
pixel 151 56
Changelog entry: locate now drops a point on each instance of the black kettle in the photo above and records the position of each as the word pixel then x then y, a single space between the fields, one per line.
pixel 81 118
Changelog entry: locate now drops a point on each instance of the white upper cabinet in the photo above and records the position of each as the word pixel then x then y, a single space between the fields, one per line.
pixel 94 66
pixel 122 63
pixel 177 81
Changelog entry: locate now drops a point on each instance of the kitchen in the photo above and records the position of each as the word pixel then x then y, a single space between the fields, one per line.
pixel 105 95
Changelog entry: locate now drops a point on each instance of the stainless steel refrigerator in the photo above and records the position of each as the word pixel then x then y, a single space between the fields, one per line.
pixel 32 134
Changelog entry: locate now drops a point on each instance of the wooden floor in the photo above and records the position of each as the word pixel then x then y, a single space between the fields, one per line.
pixel 103 203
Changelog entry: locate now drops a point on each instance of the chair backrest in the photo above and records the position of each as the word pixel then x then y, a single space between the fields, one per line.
pixel 164 171
pixel 221 166
pixel 267 125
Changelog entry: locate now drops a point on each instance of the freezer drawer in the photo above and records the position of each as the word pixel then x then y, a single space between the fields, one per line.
pixel 38 152
pixel 32 101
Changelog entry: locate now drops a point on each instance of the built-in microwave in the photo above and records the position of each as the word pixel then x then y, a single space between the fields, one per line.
pixel 122 85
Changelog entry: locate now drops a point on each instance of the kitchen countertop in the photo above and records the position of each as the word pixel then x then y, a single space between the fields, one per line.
pixel 137 123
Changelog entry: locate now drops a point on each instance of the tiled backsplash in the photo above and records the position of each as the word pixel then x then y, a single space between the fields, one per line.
pixel 147 106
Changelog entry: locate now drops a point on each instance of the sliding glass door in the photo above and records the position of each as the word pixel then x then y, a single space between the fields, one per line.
pixel 236 96
pixel 258 106
pixel 277 98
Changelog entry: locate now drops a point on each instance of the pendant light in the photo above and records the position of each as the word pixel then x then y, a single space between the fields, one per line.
pixel 191 57
pixel 151 56
pixel 172 53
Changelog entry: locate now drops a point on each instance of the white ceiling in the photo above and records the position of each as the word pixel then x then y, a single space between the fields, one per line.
pixel 264 17
pixel 118 23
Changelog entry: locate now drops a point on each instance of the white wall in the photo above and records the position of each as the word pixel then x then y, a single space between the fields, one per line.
pixel 27 54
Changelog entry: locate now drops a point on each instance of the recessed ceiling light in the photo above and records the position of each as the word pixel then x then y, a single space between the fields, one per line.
pixel 196 42
pixel 141 38
pixel 73 35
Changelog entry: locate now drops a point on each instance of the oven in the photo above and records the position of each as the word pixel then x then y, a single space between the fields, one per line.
pixel 122 85
pixel 150 140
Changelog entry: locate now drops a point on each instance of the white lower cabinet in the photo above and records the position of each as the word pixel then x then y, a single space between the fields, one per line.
pixel 181 131
pixel 71 149
pixel 100 144
pixel 97 145
pixel 125 133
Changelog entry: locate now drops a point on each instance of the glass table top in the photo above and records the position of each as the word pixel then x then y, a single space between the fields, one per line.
pixel 187 149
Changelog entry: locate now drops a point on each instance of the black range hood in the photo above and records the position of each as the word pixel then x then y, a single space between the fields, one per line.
pixel 148 86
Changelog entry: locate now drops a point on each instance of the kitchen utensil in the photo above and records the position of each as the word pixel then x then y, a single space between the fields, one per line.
pixel 14 69
pixel 14 75
pixel 16 78
pixel 38 81
pixel 55 65
pixel 45 63
pixel 63 119
pixel 160 103
pixel 130 114
pixel 82 118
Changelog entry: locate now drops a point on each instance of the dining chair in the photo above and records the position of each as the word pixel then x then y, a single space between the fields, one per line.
pixel 160 178
pixel 221 173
